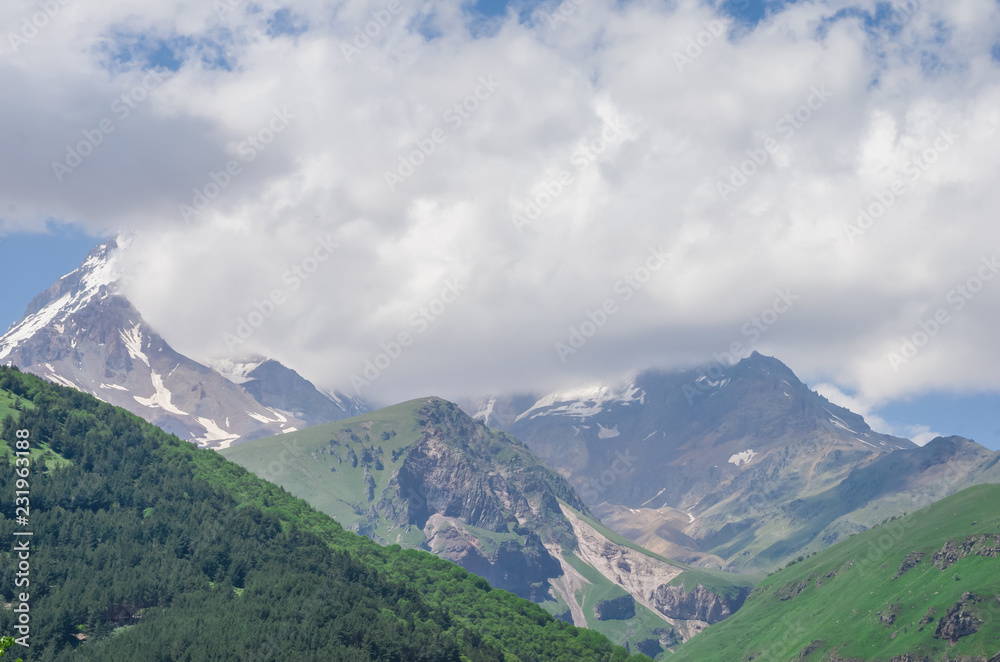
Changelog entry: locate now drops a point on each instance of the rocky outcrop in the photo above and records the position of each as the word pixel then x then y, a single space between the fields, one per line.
pixel 616 609
pixel 792 589
pixel 699 604
pixel 909 563
pixel 984 544
pixel 810 649
pixel 959 621
pixel 451 485
pixel 887 617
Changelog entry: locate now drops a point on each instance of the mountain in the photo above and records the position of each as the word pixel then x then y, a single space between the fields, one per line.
pixel 921 588
pixel 698 465
pixel 145 547
pixel 84 333
pixel 423 474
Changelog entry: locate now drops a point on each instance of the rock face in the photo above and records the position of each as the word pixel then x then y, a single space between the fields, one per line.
pixel 616 609
pixel 698 605
pixel 450 485
pixel 523 567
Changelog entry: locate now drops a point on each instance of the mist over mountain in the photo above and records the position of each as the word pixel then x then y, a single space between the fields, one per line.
pixel 739 466
pixel 83 332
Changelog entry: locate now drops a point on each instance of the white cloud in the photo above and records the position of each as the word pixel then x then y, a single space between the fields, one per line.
pixel 653 185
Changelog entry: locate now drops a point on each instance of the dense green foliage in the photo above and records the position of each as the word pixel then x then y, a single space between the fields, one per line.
pixel 146 547
pixel 884 594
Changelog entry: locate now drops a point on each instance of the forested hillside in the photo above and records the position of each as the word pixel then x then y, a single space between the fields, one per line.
pixel 146 547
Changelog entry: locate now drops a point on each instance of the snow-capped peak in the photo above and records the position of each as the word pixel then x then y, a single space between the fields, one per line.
pixel 95 278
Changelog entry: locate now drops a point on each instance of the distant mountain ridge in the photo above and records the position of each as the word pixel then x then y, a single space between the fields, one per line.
pixel 424 474
pixel 84 333
pixel 717 467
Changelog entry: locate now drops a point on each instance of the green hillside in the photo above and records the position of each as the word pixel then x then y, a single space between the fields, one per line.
pixel 345 468
pixel 145 547
pixel 921 587
pixel 325 464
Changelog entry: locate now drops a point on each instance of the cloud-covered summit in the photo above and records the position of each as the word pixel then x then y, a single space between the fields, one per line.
pixel 491 184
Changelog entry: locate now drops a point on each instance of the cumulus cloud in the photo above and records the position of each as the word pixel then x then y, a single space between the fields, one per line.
pixel 493 189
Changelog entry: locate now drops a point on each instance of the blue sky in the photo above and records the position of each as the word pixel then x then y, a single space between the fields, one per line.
pixel 31 263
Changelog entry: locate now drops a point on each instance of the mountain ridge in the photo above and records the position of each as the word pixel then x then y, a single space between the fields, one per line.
pixel 424 474
pixel 712 466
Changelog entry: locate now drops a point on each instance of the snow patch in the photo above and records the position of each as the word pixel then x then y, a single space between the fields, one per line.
pixel 264 419
pixel 133 343
pixel 237 370
pixel 117 387
pixel 607 433
pixel 485 412
pixel 742 458
pixel 160 397
pixel 62 381
pixel 656 495
pixel 215 434
pixel 585 401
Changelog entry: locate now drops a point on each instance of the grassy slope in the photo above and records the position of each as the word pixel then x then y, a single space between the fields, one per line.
pixel 300 462
pixel 845 587
pixel 40 452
